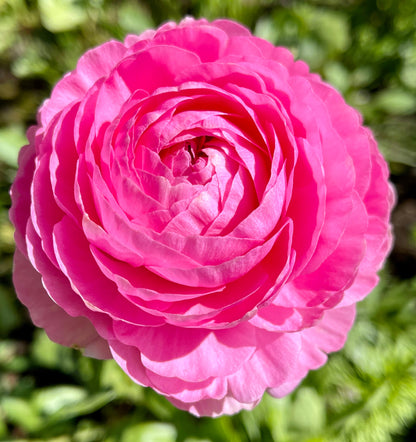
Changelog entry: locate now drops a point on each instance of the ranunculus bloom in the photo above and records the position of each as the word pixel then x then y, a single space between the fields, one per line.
pixel 198 206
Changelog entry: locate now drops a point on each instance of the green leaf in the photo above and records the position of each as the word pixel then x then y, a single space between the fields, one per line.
pixel 251 424
pixel 11 140
pixel 395 102
pixel 30 64
pixel 149 432
pixel 134 18
pixel 277 417
pixel 21 413
pixel 408 75
pixel 8 32
pixel 330 27
pixel 73 403
pixel 7 243
pixel 49 354
pixel 3 428
pixel 61 15
pixel 313 52
pixel 114 377
pixel 53 399
pixel 9 316
pixel 88 432
pixel 11 358
pixel 267 29
pixel 337 75
pixel 397 139
pixel 308 412
pixel 196 439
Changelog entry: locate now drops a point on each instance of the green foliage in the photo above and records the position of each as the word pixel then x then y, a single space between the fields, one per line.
pixel 366 392
pixel 61 15
pixel 12 139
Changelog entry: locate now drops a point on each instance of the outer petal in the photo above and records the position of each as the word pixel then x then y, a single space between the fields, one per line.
pixel 67 330
pixel 20 194
pixel 94 65
pixel 327 336
pixel 193 355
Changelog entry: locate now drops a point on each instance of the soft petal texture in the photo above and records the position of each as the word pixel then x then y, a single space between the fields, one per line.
pixel 200 207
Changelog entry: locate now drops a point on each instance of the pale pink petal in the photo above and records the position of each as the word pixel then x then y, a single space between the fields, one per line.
pixel 62 328
pixel 193 355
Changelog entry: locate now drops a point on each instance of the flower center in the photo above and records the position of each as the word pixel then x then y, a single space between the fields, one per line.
pixel 185 157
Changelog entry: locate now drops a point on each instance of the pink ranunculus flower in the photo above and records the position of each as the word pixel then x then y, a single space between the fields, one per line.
pixel 200 207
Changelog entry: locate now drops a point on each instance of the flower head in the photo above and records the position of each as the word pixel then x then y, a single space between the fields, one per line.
pixel 200 207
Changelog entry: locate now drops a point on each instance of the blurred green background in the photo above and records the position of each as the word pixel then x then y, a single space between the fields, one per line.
pixel 367 392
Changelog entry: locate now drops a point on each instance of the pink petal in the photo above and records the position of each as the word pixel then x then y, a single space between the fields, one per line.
pixel 92 66
pixel 190 354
